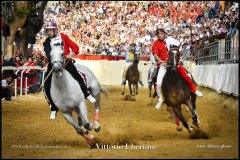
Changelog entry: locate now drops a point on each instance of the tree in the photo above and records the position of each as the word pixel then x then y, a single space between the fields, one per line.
pixel 30 19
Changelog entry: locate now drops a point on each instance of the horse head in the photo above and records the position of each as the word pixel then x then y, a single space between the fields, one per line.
pixel 135 61
pixel 57 56
pixel 173 58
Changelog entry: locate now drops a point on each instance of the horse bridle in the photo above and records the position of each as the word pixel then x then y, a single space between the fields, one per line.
pixel 174 58
pixel 57 62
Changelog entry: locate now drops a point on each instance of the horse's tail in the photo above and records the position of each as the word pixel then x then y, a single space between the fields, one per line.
pixel 104 91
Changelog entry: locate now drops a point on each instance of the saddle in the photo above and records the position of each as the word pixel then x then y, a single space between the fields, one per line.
pixel 84 77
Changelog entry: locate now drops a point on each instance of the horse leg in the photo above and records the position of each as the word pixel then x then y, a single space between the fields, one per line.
pixel 193 99
pixel 68 116
pixel 193 111
pixel 150 91
pixel 136 89
pixel 176 119
pixel 133 89
pixel 177 111
pixel 83 116
pixel 97 126
pixel 95 91
pixel 130 88
pixel 123 89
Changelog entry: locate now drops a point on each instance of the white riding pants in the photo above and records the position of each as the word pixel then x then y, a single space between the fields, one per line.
pixel 161 73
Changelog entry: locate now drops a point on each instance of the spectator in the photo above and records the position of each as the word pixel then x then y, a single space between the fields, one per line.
pixel 19 54
pixel 18 61
pixel 8 62
pixel 232 29
pixel 6 87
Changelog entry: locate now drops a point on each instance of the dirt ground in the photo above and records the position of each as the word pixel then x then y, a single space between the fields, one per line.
pixel 130 129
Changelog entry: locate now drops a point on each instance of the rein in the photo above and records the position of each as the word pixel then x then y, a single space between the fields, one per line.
pixel 64 65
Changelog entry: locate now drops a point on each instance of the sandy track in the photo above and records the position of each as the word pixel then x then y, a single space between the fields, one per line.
pixel 27 131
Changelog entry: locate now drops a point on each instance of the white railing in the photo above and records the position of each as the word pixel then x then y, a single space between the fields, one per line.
pixel 22 69
pixel 110 73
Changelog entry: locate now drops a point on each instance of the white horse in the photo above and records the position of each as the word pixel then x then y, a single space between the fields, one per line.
pixel 66 92
pixel 95 89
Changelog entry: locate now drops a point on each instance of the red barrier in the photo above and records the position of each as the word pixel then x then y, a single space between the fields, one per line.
pixel 104 57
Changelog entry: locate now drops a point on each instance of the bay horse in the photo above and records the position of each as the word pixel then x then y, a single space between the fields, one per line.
pixel 66 92
pixel 132 76
pixel 176 92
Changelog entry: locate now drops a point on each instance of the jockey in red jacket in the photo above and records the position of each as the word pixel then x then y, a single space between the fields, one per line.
pixel 160 52
pixel 52 32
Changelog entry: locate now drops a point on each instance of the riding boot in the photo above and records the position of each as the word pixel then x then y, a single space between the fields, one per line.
pixel 73 71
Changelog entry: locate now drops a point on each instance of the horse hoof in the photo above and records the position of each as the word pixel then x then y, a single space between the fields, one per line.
pixel 190 130
pixel 179 128
pixel 97 126
pixel 196 123
pixel 122 93
pixel 97 129
pixel 88 126
pixel 84 130
pixel 88 137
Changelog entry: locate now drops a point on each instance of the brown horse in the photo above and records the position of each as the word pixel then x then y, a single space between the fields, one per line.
pixel 176 92
pixel 132 76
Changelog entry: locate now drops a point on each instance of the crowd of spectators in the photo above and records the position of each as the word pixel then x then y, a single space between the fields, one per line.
pixel 34 76
pixel 108 27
